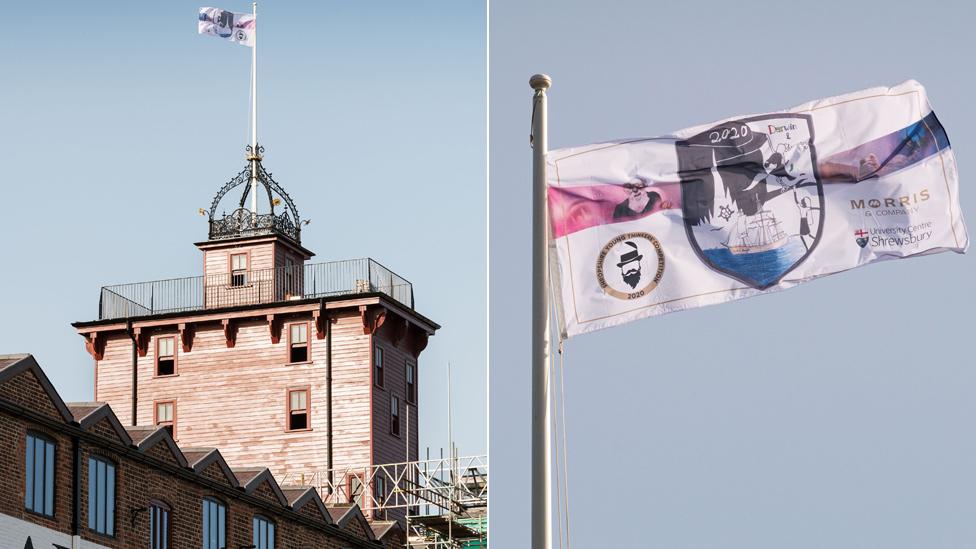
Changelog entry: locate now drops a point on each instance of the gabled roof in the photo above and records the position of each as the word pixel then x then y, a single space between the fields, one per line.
pixel 251 479
pixel 299 496
pixel 195 455
pixel 338 511
pixel 13 365
pixel 294 493
pixel 247 474
pixel 81 410
pixel 344 513
pixel 199 459
pixel 383 527
pixel 7 360
pixel 139 433
pixel 87 414
pixel 144 438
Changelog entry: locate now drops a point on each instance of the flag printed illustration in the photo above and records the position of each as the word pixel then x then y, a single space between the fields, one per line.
pixel 749 205
pixel 236 27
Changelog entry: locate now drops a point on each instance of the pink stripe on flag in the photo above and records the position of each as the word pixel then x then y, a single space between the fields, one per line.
pixel 573 209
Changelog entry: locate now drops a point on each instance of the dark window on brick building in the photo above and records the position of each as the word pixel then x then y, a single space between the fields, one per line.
pixel 165 356
pixel 411 382
pixel 298 409
pixel 378 366
pixel 101 496
pixel 264 533
pixel 395 415
pixel 39 491
pixel 158 525
pixel 214 524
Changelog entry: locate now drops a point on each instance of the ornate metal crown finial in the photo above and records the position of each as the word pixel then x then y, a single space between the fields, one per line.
pixel 252 153
pixel 242 221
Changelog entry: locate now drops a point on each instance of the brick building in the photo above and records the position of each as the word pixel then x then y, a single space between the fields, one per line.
pixel 75 476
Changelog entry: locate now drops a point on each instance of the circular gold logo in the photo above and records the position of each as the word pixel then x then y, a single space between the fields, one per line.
pixel 626 267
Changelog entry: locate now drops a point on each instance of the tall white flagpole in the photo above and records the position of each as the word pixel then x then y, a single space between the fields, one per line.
pixel 541 436
pixel 254 112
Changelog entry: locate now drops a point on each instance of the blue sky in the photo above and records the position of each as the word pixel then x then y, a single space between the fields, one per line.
pixel 117 122
pixel 847 424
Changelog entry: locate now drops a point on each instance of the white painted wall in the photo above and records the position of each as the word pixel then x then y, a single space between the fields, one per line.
pixel 15 533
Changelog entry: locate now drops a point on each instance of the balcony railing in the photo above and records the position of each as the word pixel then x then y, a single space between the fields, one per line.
pixel 197 293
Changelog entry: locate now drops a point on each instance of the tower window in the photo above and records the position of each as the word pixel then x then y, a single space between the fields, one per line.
pixel 378 366
pixel 395 415
pixel 165 356
pixel 298 342
pixel 354 489
pixel 411 382
pixel 298 409
pixel 238 269
pixel 166 416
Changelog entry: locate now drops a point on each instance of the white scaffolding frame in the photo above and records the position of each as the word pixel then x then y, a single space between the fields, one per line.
pixel 432 494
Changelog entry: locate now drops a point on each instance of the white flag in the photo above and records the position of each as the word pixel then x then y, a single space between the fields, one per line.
pixel 236 27
pixel 749 205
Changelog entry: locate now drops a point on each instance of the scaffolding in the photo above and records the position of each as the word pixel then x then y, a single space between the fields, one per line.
pixel 441 503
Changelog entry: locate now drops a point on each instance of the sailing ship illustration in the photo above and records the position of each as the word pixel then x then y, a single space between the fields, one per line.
pixel 760 233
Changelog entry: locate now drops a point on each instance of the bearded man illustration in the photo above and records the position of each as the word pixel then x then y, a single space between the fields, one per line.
pixel 639 201
pixel 630 267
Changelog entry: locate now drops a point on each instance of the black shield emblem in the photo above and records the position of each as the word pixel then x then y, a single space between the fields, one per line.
pixel 752 198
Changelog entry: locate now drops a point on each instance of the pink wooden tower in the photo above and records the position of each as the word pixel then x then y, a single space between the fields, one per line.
pixel 308 368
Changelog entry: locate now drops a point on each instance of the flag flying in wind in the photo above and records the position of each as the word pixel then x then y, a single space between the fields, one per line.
pixel 749 205
pixel 236 27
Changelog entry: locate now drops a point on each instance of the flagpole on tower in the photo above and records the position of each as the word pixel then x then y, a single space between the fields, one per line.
pixel 541 436
pixel 254 112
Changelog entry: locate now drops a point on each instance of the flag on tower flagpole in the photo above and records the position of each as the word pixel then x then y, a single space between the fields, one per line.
pixel 236 27
pixel 748 205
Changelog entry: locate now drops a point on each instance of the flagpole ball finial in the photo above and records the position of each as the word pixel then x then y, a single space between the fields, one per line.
pixel 540 82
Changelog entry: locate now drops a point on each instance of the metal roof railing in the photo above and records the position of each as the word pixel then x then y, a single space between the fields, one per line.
pixel 252 287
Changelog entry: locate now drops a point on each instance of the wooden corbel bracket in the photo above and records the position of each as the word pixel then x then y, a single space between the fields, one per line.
pixel 141 338
pixel 420 341
pixel 400 330
pixel 230 331
pixel 372 318
pixel 274 326
pixel 95 345
pixel 186 336
pixel 320 318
